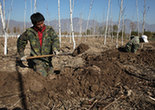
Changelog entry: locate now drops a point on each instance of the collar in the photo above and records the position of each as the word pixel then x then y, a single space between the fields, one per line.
pixel 44 27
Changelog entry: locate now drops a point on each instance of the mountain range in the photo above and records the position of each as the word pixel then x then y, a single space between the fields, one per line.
pixel 79 23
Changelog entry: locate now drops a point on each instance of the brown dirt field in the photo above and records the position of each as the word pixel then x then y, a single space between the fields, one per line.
pixel 96 77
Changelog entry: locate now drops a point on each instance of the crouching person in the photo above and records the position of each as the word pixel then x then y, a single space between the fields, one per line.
pixel 43 41
pixel 134 43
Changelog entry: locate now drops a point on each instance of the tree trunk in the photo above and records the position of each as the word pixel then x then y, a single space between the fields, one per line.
pixel 80 25
pixel 71 25
pixel 31 7
pixel 144 14
pixel 122 30
pixel 4 29
pixel 25 16
pixel 105 34
pixel 137 17
pixel 59 22
pixel 35 6
pixel 120 14
pixel 91 5
pixel 7 27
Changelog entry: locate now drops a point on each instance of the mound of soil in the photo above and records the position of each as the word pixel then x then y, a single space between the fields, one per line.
pixel 109 80
pixel 80 49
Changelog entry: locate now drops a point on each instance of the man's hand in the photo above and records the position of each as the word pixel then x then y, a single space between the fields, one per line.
pixel 24 58
pixel 56 52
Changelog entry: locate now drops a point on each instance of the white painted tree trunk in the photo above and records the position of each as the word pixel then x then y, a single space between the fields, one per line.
pixel 109 25
pixel 112 30
pixel 71 25
pixel 59 22
pixel 120 14
pixel 130 33
pixel 94 30
pixel 105 34
pixel 31 7
pixel 25 16
pixel 137 17
pixel 144 14
pixel 48 21
pixel 122 30
pixel 35 6
pixel 112 35
pixel 4 29
pixel 7 27
pixel 3 10
pixel 80 25
pixel 91 5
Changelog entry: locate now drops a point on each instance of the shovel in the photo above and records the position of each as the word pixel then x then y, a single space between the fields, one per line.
pixel 79 50
pixel 50 55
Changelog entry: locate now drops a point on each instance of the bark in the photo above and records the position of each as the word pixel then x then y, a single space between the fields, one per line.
pixel 137 17
pixel 80 25
pixel 120 14
pixel 59 22
pixel 144 14
pixel 91 5
pixel 25 16
pixel 105 35
pixel 31 7
pixel 35 6
pixel 123 30
pixel 71 25
pixel 7 27
pixel 4 28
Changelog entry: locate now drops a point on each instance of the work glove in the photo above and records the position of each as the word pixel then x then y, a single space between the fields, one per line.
pixel 56 52
pixel 24 58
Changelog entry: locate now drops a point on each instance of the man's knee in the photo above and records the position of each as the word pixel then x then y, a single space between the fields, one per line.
pixel 41 70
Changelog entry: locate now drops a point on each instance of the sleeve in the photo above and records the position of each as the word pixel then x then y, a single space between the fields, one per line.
pixel 55 41
pixel 135 48
pixel 128 47
pixel 21 43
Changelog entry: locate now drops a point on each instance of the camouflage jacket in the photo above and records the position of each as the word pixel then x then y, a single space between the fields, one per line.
pixel 132 45
pixel 50 42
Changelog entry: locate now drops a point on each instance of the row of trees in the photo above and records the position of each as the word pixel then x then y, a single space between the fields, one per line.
pixel 108 30
pixel 112 31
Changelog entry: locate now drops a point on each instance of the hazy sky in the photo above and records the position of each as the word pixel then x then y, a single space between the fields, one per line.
pixel 49 8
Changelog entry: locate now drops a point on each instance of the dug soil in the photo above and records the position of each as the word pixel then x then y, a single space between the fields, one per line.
pixel 94 77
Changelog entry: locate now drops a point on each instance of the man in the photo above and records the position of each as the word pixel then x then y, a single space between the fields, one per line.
pixel 134 43
pixel 43 41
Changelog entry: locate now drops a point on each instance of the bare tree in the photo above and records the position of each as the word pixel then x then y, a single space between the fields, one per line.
pixel 144 14
pixel 4 28
pixel 132 26
pixel 47 13
pixel 137 17
pixel 111 23
pixel 25 16
pixel 94 29
pixel 3 9
pixel 105 35
pixel 122 28
pixel 31 6
pixel 80 23
pixel 112 36
pixel 90 8
pixel 80 26
pixel 120 14
pixel 59 22
pixel 71 25
pixel 7 27
pixel 35 5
